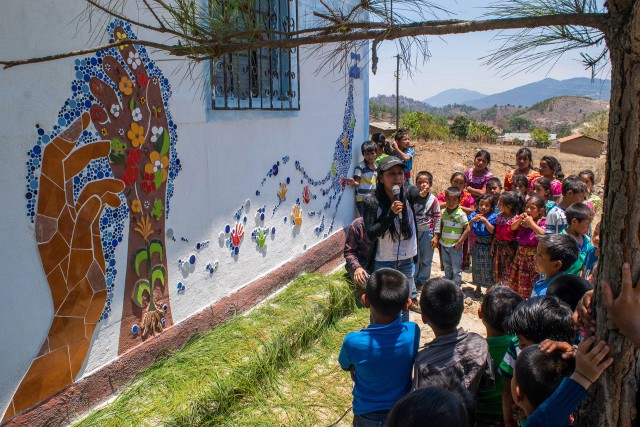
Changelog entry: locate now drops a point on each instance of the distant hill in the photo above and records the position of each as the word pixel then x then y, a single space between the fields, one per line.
pixel 532 93
pixel 453 96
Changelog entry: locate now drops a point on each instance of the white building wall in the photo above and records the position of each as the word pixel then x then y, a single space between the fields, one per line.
pixel 225 156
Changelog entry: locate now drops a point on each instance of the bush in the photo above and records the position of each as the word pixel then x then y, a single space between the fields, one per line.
pixel 425 126
pixel 479 132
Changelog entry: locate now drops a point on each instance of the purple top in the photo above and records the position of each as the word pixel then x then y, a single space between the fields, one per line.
pixel 527 237
pixel 477 182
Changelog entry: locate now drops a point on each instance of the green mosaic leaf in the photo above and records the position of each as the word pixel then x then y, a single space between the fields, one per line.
pixel 117 154
pixel 158 178
pixel 132 104
pixel 166 143
pixel 138 292
pixel 158 273
pixel 138 257
pixel 155 247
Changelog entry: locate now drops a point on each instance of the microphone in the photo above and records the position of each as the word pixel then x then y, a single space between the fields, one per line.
pixel 396 196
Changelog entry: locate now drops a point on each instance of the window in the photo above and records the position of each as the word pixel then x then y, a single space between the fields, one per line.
pixel 260 79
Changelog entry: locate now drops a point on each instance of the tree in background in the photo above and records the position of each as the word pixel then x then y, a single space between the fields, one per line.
pixel 540 137
pixel 460 126
pixel 597 126
pixel 425 126
pixel 479 132
pixel 519 123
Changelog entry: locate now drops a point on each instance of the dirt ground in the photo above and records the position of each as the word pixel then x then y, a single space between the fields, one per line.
pixel 444 158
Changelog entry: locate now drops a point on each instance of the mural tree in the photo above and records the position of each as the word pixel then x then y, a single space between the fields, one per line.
pixel 134 121
pixel 200 34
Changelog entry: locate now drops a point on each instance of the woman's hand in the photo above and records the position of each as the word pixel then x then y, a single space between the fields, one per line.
pixel 396 207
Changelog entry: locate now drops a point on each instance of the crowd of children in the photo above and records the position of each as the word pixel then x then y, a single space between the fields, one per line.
pixel 532 247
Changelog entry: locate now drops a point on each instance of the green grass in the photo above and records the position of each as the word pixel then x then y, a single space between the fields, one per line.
pixel 218 376
pixel 312 391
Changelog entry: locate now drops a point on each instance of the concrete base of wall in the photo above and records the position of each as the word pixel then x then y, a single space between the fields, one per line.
pixel 80 397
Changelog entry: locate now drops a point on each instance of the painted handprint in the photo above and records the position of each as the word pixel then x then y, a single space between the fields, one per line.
pixel 131 117
pixel 296 215
pixel 68 237
pixel 261 236
pixel 236 235
pixel 306 194
pixel 282 194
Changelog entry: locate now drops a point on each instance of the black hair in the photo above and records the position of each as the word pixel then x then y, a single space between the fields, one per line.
pixel 493 181
pixel 367 146
pixel 442 302
pixel 555 165
pixel 590 174
pixel 431 405
pixel 427 174
pixel 406 231
pixel 453 191
pixel 486 155
pixel 539 202
pixel 574 184
pixel 546 184
pixel 457 174
pixel 521 179
pixel 400 133
pixel 540 318
pixel 376 137
pixel 578 211
pixel 569 288
pixel 538 373
pixel 527 152
pixel 497 306
pixel 514 200
pixel 561 247
pixel 387 291
pixel 488 197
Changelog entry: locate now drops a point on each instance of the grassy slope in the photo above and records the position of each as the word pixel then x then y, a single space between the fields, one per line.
pixel 224 376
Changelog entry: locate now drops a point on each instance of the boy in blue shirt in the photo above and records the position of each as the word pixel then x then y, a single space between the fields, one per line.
pixel 380 357
pixel 579 218
pixel 554 255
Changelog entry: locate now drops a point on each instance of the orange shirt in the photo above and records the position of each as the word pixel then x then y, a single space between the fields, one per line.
pixel 508 178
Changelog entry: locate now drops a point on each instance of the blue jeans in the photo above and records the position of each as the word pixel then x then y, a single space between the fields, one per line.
pixel 371 419
pixel 452 260
pixel 425 251
pixel 406 267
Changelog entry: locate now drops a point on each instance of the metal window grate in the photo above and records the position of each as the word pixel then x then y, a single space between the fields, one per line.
pixel 264 79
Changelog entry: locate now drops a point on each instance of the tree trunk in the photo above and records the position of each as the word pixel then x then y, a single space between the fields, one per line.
pixel 612 400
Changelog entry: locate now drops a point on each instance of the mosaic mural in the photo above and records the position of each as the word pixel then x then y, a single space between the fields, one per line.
pixel 110 160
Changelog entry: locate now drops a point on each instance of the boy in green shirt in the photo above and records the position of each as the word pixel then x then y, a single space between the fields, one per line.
pixel 497 305
pixel 454 229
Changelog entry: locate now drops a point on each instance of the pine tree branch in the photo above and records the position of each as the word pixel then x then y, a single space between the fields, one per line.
pixel 202 50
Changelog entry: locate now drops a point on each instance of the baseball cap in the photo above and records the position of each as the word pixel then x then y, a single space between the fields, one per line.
pixel 389 162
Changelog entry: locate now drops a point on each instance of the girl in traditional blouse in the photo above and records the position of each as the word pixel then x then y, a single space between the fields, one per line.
pixel 524 158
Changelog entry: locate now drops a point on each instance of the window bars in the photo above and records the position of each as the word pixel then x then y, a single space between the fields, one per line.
pixel 264 79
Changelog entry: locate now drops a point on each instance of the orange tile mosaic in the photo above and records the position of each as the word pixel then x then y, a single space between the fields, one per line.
pixel 95 275
pixel 77 352
pixel 78 300
pixel 96 306
pixel 80 158
pixel 45 228
pixel 58 287
pixel 65 224
pixel 79 264
pixel 53 252
pixel 53 167
pixel 52 198
pixel 65 330
pixel 46 375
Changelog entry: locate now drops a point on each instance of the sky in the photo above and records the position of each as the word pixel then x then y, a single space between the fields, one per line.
pixel 456 63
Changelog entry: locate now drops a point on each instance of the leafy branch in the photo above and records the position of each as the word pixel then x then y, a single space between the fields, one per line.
pixel 203 31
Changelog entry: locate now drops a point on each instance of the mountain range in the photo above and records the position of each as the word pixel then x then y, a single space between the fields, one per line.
pixel 526 95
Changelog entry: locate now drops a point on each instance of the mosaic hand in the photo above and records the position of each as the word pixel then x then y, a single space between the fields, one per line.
pixel 68 237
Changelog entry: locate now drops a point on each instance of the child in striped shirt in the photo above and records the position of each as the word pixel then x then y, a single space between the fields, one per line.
pixel 453 231
pixel 365 174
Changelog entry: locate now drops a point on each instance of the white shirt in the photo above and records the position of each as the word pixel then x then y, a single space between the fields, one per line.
pixel 388 250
